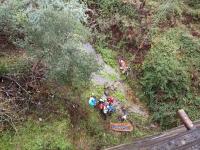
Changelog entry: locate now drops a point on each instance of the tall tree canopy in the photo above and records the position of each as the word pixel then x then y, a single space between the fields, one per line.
pixel 53 33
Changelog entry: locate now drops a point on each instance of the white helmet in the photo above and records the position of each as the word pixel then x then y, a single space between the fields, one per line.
pixel 101 100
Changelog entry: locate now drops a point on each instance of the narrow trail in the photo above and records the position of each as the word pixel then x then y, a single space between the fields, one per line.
pixel 132 102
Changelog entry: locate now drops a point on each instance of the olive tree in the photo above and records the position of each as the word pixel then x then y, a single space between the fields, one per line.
pixel 54 35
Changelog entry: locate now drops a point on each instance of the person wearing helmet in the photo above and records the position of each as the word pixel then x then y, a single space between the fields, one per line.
pixel 92 101
pixel 103 109
pixel 111 109
pixel 101 104
pixel 124 114
pixel 101 100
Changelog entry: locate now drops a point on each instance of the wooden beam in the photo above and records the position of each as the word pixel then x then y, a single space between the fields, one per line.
pixel 185 119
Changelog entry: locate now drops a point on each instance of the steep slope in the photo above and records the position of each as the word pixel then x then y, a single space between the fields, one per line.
pixel 100 79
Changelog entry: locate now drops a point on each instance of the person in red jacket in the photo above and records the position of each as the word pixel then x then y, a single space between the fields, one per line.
pixel 101 106
pixel 110 100
pixel 103 109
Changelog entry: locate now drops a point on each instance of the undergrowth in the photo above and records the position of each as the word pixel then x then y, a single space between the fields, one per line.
pixel 167 79
pixel 114 6
pixel 37 135
pixel 13 65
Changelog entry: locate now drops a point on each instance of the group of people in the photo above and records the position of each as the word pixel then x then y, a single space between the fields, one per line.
pixel 104 105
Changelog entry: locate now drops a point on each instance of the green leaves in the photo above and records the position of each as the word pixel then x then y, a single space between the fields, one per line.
pixel 113 6
pixel 34 135
pixel 167 9
pixel 52 32
pixel 165 80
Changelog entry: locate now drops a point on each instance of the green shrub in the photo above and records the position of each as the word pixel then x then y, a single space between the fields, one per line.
pixel 58 34
pixel 163 73
pixel 193 3
pixel 165 80
pixel 52 33
pixel 114 6
pixel 167 10
pixel 38 136
pixel 13 65
pixel 190 48
pixel 11 20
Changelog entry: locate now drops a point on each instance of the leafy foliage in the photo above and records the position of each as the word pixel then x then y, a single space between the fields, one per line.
pixel 114 20
pixel 11 19
pixel 54 34
pixel 170 75
pixel 166 80
pixel 190 48
pixel 39 136
pixel 14 65
pixel 57 35
pixel 114 6
pixel 193 3
pixel 174 9
pixel 166 10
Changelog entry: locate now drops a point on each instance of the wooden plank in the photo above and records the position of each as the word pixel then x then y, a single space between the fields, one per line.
pixel 121 127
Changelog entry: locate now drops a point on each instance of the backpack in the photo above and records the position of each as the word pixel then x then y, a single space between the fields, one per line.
pixel 92 101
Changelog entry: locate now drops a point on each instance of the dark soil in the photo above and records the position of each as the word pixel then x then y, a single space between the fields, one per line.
pixel 7 47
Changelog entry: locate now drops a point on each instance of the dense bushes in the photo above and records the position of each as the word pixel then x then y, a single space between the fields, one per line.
pixel 35 135
pixel 166 79
pixel 193 3
pixel 52 32
pixel 58 35
pixel 115 22
pixel 114 6
pixel 14 65
pixel 190 48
